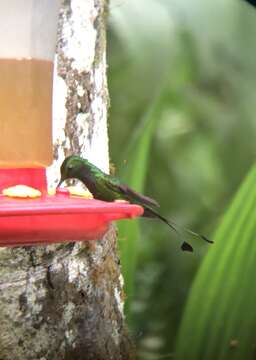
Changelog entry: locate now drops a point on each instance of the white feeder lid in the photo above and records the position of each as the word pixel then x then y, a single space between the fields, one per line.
pixel 28 28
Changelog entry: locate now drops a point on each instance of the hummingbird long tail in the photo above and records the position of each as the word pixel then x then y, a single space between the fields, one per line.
pixel 148 212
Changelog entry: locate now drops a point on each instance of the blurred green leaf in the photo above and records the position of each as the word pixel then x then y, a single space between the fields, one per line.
pixel 220 317
pixel 144 62
pixel 139 57
pixel 135 173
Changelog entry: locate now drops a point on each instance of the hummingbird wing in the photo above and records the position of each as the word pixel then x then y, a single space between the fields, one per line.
pixel 130 194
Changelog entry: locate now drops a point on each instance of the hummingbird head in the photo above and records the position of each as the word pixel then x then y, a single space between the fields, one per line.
pixel 70 168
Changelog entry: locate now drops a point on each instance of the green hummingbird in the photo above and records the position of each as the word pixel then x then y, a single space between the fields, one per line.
pixel 109 188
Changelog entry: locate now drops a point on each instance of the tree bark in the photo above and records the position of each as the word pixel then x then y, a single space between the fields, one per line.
pixel 65 301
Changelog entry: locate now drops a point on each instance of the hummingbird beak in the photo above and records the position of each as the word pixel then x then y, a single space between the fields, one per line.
pixel 60 182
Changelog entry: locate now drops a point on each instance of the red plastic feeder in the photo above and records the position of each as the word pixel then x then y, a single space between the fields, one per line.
pixel 53 218
pixel 26 136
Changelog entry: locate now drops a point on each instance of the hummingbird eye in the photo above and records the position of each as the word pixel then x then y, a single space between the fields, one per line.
pixel 70 167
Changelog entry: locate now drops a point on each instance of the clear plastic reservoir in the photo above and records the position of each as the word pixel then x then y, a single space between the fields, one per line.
pixel 27 45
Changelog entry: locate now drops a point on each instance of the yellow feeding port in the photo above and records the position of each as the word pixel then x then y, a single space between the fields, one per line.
pixel 22 191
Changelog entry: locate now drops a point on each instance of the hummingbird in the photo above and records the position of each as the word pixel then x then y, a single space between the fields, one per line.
pixel 109 188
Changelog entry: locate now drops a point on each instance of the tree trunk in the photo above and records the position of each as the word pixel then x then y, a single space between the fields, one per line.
pixel 65 301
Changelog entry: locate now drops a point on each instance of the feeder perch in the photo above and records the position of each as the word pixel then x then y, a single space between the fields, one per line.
pixel 26 72
pixel 56 218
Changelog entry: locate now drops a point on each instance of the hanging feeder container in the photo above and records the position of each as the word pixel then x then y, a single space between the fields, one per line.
pixel 26 72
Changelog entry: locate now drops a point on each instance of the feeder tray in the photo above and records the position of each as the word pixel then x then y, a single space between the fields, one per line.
pixel 54 218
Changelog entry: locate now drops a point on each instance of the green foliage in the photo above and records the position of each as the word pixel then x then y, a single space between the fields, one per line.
pixel 182 130
pixel 136 151
pixel 220 317
pixel 136 170
pixel 138 154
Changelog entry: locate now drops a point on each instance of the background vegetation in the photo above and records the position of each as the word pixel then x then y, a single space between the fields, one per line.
pixel 182 80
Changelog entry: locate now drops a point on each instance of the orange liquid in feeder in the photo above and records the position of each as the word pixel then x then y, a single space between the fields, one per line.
pixel 25 113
